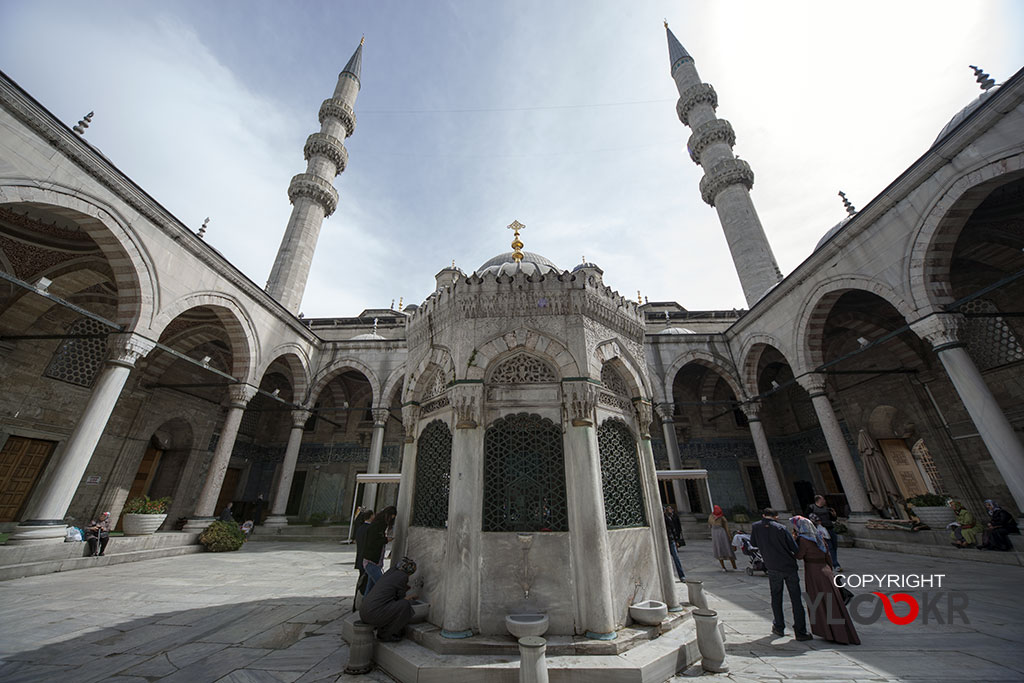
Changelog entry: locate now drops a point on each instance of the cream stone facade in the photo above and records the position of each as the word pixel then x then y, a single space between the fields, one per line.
pixel 134 359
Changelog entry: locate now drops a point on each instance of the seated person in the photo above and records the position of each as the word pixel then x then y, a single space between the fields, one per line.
pixel 386 605
pixel 97 534
pixel 1001 524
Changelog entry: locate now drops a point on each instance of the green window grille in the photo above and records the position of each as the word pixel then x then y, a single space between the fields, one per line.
pixel 524 475
pixel 620 476
pixel 433 476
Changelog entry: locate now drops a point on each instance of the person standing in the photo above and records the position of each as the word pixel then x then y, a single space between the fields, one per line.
pixel 720 538
pixel 373 547
pixel 828 519
pixel 826 601
pixel 97 534
pixel 778 550
pixel 260 504
pixel 363 520
pixel 674 529
pixel 386 605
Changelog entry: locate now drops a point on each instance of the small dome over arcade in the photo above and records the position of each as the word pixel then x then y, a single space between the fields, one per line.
pixel 676 330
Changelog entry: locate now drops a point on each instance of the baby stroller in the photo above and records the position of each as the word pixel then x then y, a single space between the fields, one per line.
pixel 756 561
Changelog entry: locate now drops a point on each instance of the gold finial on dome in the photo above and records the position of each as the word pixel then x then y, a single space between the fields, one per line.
pixel 639 300
pixel 517 243
pixel 362 40
pixel 666 22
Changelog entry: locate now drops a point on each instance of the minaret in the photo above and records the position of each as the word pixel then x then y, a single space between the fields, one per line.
pixel 312 194
pixel 727 180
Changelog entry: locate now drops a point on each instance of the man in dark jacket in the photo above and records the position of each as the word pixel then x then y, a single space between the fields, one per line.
pixel 674 529
pixel 373 545
pixel 778 549
pixel 387 606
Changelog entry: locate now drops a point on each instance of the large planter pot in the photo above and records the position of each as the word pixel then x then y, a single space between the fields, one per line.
pixel 935 517
pixel 142 525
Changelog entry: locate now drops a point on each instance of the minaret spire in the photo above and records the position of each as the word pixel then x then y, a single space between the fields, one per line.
pixel 727 180
pixel 312 193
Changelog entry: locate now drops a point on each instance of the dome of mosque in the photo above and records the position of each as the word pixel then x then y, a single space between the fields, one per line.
pixel 368 335
pixel 676 330
pixel 504 264
pixel 832 231
pixel 964 113
pixel 586 265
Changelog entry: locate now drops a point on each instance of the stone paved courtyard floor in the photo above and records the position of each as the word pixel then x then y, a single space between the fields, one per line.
pixel 270 613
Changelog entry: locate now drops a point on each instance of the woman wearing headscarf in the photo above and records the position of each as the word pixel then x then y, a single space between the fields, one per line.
pixel 825 603
pixel 965 532
pixel 720 538
pixel 1000 525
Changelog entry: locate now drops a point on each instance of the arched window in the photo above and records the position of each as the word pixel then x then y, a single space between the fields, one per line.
pixel 614 391
pixel 433 476
pixel 620 476
pixel 524 475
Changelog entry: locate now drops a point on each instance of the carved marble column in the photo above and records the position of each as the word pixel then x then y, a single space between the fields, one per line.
pixel 652 504
pixel 666 411
pixel 764 456
pixel 465 513
pixel 410 420
pixel 239 396
pixel 856 496
pixel 380 421
pixel 943 332
pixel 284 481
pixel 585 505
pixel 44 520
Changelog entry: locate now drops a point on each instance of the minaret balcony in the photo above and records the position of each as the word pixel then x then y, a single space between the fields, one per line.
pixel 327 146
pixel 717 130
pixel 315 188
pixel 722 175
pixel 338 108
pixel 692 96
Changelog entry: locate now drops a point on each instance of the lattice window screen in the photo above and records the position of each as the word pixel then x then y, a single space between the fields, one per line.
pixel 612 381
pixel 620 476
pixel 523 368
pixel 433 476
pixel 78 361
pixel 524 475
pixel 990 341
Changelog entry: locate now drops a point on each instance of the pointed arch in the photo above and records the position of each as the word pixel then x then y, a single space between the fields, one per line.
pixel 611 351
pixel 708 360
pixel 525 339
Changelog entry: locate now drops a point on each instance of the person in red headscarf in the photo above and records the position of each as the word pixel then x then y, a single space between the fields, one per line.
pixel 720 538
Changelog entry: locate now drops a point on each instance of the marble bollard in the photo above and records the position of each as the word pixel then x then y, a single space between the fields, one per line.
pixel 709 641
pixel 533 667
pixel 695 593
pixel 360 650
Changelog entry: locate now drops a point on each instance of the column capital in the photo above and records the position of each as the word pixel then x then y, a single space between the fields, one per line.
pixel 240 394
pixel 752 410
pixel 666 412
pixel 942 330
pixel 300 417
pixel 380 416
pixel 644 417
pixel 466 404
pixel 410 416
pixel 813 383
pixel 580 401
pixel 127 348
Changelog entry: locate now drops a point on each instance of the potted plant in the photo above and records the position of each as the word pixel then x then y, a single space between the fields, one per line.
pixel 222 537
pixel 932 510
pixel 142 516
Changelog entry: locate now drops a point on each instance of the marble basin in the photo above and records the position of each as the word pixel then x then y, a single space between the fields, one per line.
pixel 521 625
pixel 420 611
pixel 648 612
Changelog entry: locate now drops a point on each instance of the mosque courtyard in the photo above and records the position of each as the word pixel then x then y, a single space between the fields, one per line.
pixel 273 611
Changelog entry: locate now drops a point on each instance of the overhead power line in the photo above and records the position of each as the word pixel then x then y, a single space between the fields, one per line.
pixel 470 110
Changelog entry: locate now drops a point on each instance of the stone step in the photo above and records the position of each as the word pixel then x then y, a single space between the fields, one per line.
pixel 300 533
pixel 56 563
pixel 947 552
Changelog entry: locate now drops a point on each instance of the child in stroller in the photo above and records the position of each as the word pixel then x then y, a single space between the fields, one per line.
pixel 742 541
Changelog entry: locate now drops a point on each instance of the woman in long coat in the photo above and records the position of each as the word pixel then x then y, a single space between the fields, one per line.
pixel 823 596
pixel 720 538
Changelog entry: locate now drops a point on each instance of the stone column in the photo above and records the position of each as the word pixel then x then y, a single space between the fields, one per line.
pixel 666 411
pixel 380 421
pixel 655 517
pixel 284 482
pixel 465 511
pixel 410 420
pixel 942 331
pixel 764 456
pixel 238 397
pixel 856 496
pixel 44 520
pixel 585 502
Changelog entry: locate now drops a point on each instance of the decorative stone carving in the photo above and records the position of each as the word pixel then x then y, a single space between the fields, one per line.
pixel 716 130
pixel 644 417
pixel 702 92
pixel 126 348
pixel 467 407
pixel 666 412
pixel 339 109
pixel 613 382
pixel 410 416
pixel 315 188
pixel 437 385
pixel 580 399
pixel 752 410
pixel 523 368
pixel 300 418
pixel 435 405
pixel 723 174
pixel 240 394
pixel 940 330
pixel 380 416
pixel 814 383
pixel 328 146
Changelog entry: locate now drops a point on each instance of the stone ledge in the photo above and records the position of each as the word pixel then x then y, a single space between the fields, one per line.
pixel 17 571
pixel 951 553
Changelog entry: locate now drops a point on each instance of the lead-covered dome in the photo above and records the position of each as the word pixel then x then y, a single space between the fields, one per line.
pixel 504 264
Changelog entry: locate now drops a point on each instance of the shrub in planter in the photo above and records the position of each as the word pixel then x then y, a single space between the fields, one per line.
pixel 222 536
pixel 144 506
pixel 143 516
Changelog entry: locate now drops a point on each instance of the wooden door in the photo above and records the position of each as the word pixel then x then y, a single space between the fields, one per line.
pixel 143 477
pixel 21 461
pixel 904 467
pixel 227 489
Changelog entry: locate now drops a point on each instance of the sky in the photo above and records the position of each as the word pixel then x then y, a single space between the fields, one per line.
pixel 472 115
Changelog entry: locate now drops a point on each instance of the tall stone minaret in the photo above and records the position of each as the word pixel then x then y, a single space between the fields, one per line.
pixel 727 180
pixel 311 193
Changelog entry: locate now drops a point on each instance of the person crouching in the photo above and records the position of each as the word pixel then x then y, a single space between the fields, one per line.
pixel 387 606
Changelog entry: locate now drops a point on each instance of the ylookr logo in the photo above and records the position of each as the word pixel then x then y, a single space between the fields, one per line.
pixel 942 606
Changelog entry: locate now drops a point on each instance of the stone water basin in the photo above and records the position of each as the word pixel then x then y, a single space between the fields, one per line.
pixel 420 611
pixel 648 612
pixel 522 625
